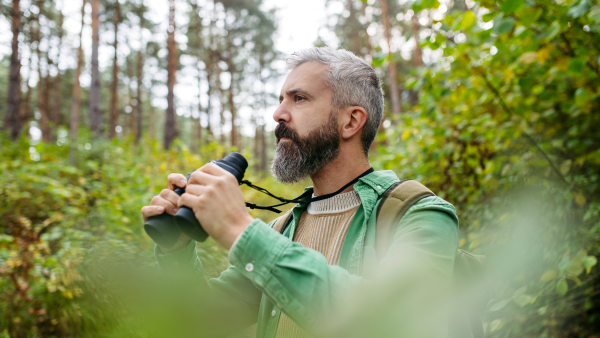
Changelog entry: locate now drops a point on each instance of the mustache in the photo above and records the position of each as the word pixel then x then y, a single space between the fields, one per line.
pixel 284 131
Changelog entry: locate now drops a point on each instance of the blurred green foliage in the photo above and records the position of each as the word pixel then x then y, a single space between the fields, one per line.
pixel 506 128
pixel 65 227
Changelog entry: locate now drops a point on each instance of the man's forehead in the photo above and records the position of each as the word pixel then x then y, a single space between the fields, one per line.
pixel 307 76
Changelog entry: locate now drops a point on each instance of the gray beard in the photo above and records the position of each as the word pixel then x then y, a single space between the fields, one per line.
pixel 303 157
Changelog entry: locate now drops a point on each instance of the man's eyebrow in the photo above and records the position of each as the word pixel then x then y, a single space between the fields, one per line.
pixel 295 91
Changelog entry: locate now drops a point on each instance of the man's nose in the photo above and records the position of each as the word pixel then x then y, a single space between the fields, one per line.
pixel 281 114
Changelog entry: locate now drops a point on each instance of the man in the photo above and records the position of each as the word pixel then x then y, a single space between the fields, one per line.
pixel 321 276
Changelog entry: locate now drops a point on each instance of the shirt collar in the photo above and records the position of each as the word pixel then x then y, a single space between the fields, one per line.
pixel 379 181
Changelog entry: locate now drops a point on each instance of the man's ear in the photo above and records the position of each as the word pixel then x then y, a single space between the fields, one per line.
pixel 354 118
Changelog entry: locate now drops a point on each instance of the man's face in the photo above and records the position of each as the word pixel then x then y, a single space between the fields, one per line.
pixel 307 134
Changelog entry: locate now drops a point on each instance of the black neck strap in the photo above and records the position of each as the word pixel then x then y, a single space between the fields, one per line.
pixel 304 198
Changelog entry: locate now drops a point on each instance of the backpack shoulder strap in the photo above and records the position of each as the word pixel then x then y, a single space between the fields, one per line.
pixel 282 222
pixel 396 200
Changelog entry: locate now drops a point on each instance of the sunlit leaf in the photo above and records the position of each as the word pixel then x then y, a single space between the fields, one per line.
pixel 548 275
pixel 468 20
pixel 594 14
pixel 590 261
pixel 580 9
pixel 551 31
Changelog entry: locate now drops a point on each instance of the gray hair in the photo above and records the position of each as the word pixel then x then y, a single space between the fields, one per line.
pixel 353 82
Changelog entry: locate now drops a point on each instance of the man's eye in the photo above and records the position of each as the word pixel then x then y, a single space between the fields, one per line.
pixel 300 98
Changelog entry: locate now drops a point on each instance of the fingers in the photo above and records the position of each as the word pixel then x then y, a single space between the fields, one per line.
pixel 151 210
pixel 199 177
pixel 189 200
pixel 214 170
pixel 170 208
pixel 196 189
pixel 212 174
pixel 169 195
pixel 176 180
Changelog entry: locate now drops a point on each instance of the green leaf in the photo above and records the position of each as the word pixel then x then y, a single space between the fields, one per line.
pixel 378 59
pixel 504 26
pixel 576 65
pixel 499 305
pixel 510 6
pixel 589 261
pixel 562 287
pixel 551 32
pixel 5 238
pixel 595 14
pixel 548 275
pixel 411 82
pixel 523 300
pixel 468 20
pixel 495 325
pixel 420 5
pixel 580 9
pixel 582 97
pixel 488 17
pixel 565 263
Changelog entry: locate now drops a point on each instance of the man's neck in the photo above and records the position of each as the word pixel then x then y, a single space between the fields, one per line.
pixel 343 169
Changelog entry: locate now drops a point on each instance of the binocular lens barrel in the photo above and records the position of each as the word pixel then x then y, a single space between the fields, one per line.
pixel 165 229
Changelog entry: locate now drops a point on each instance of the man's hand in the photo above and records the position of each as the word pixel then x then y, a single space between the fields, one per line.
pixel 216 199
pixel 166 201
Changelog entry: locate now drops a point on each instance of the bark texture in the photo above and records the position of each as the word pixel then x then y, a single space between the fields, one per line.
pixel 393 83
pixel 114 93
pixel 75 105
pixel 170 127
pixel 14 83
pixel 95 99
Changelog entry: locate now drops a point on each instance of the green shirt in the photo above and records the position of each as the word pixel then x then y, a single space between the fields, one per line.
pixel 270 273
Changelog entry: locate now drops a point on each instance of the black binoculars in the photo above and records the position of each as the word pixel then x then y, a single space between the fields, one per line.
pixel 165 229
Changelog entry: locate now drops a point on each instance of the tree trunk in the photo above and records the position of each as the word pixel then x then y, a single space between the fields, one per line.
pixel 198 143
pixel 46 98
pixel 55 117
pixel 232 72
pixel 14 84
pixel 25 111
pixel 114 93
pixel 355 40
pixel 132 108
pixel 417 56
pixel 233 112
pixel 95 99
pixel 139 79
pixel 152 115
pixel 75 105
pixel 170 127
pixel 44 120
pixel 367 37
pixel 394 97
pixel 208 99
pixel 222 111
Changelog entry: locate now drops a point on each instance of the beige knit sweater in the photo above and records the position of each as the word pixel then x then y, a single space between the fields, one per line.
pixel 322 227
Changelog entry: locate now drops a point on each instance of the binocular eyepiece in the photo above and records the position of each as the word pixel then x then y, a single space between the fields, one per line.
pixel 165 229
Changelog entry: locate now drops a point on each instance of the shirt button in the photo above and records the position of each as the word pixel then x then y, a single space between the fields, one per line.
pixel 379 187
pixel 249 267
pixel 273 313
